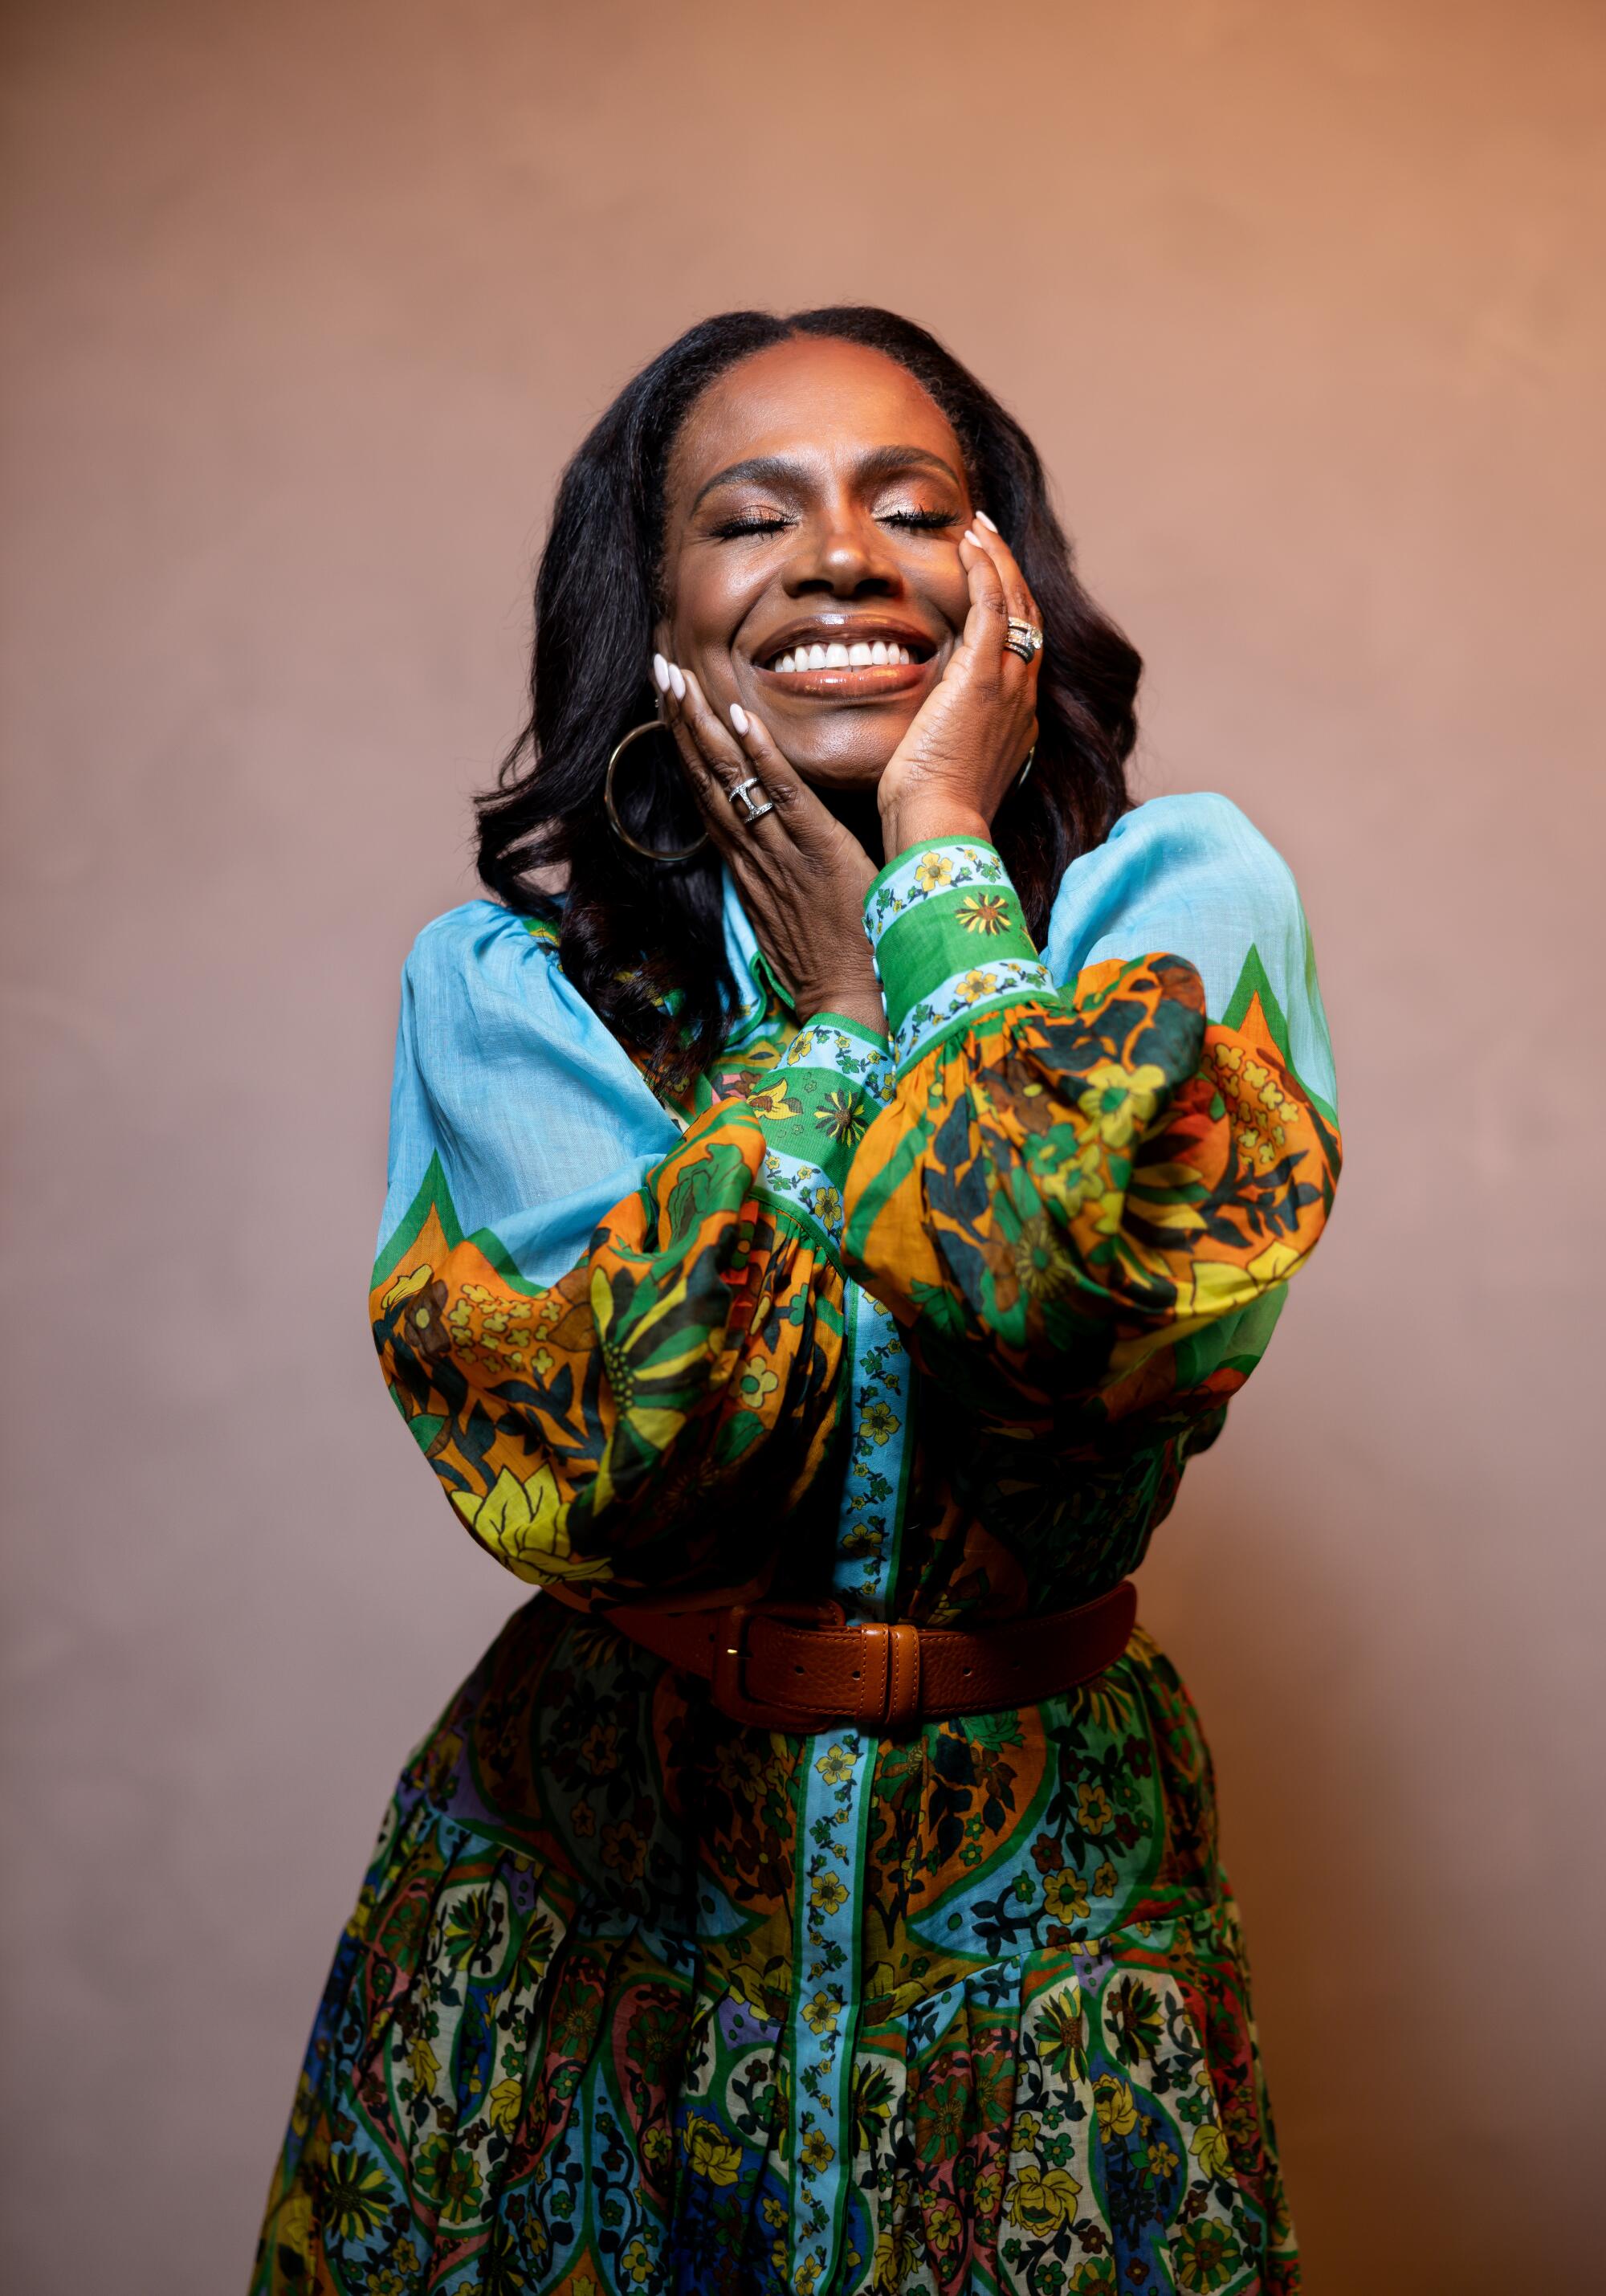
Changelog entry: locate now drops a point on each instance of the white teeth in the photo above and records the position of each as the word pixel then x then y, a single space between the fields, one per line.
pixel 860 655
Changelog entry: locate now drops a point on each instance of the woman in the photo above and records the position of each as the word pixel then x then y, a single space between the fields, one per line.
pixel 822 1224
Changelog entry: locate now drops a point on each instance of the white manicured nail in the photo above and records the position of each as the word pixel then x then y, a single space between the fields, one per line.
pixel 661 672
pixel 973 538
pixel 677 684
pixel 983 520
pixel 739 717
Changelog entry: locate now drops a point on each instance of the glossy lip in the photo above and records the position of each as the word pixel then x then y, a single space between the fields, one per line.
pixel 872 682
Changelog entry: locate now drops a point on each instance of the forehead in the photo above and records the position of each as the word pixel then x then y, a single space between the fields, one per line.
pixel 809 399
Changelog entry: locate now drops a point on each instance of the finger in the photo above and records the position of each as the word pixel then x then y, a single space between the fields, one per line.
pixel 1019 601
pixel 809 820
pixel 985 625
pixel 732 766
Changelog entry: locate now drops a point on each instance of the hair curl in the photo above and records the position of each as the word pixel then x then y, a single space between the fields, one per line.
pixel 643 943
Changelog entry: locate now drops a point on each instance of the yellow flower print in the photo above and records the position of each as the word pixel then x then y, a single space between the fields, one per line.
pixel 637 2260
pixel 1046 1268
pixel 501 2106
pixel 1040 2203
pixel 1024 2135
pixel 1119 1101
pixel 821 2015
pixel 292 2226
pixel 1206 2255
pixel 818 2151
pixel 1104 1880
pixel 405 1287
pixel 879 1420
pixel 894 2263
pixel 525 1525
pixel 841 1115
pixel 984 913
pixel 657 2145
pixel 1065 1894
pixel 806 2275
pixel 975 985
pixel 1112 2103
pixel 1093 1809
pixel 1161 2160
pixel 757 1383
pixel 943 2226
pixel 709 2152
pixel 861 1539
pixel 774 1101
pixel 827 1894
pixel 836 1766
pixel 773 2214
pixel 1210 2149
pixel 1096 2278
pixel 932 872
pixel 423 2063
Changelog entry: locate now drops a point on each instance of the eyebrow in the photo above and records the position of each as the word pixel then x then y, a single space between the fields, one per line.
pixel 778 470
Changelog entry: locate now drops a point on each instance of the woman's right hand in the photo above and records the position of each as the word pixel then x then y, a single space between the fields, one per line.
pixel 802 877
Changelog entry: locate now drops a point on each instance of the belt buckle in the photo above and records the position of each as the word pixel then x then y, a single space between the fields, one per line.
pixel 728 1679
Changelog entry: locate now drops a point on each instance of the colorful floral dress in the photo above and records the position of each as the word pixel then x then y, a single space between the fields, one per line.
pixel 635 1998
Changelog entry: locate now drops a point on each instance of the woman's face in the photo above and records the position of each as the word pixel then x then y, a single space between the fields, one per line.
pixel 816 501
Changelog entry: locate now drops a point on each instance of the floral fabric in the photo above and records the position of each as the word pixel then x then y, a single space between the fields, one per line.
pixel 637 1998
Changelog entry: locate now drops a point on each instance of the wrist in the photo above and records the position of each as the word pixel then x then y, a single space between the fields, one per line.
pixel 863 1007
pixel 913 821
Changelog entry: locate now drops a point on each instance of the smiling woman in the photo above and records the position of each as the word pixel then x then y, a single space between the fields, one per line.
pixel 810 1261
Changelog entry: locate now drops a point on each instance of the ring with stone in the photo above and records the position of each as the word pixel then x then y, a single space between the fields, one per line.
pixel 1024 638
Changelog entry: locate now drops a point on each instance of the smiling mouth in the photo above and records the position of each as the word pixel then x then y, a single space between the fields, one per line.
pixel 864 654
pixel 829 660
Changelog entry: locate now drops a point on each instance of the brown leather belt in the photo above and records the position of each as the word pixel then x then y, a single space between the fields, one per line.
pixel 803 1667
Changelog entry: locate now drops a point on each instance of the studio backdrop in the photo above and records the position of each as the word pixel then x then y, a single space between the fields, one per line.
pixel 308 303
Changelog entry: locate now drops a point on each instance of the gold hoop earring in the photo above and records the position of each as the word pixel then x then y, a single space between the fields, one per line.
pixel 647 852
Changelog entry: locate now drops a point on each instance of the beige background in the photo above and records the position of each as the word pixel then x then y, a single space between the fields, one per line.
pixel 1302 303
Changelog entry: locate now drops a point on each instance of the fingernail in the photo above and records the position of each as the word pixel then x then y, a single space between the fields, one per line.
pixel 983 520
pixel 677 684
pixel 661 672
pixel 739 717
pixel 973 538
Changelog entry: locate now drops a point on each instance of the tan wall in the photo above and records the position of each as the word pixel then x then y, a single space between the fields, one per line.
pixel 1302 302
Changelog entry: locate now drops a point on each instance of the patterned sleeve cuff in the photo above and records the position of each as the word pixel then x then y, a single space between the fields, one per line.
pixel 830 1082
pixel 950 943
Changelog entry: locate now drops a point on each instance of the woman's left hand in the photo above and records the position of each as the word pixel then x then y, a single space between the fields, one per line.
pixel 975 729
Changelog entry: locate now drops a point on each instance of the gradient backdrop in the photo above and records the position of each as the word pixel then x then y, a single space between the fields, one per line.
pixel 309 301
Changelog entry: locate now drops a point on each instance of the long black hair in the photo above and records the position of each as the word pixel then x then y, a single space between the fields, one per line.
pixel 643 943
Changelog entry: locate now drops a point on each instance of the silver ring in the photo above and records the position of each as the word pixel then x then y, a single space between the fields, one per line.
pixel 744 803
pixel 1024 638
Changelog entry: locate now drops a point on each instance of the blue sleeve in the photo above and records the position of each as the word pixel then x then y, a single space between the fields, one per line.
pixel 537 1117
pixel 1192 877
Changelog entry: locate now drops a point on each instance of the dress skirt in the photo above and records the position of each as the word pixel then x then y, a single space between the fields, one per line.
pixel 539 2066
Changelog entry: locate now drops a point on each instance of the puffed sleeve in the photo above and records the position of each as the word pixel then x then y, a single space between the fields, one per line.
pixel 605 1331
pixel 1098 1167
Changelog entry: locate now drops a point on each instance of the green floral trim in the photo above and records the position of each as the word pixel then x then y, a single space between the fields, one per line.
pixel 816 1106
pixel 950 943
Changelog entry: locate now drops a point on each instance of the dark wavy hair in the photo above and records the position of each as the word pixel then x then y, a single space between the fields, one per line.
pixel 644 943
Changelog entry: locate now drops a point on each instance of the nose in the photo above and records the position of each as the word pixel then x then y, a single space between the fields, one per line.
pixel 844 553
